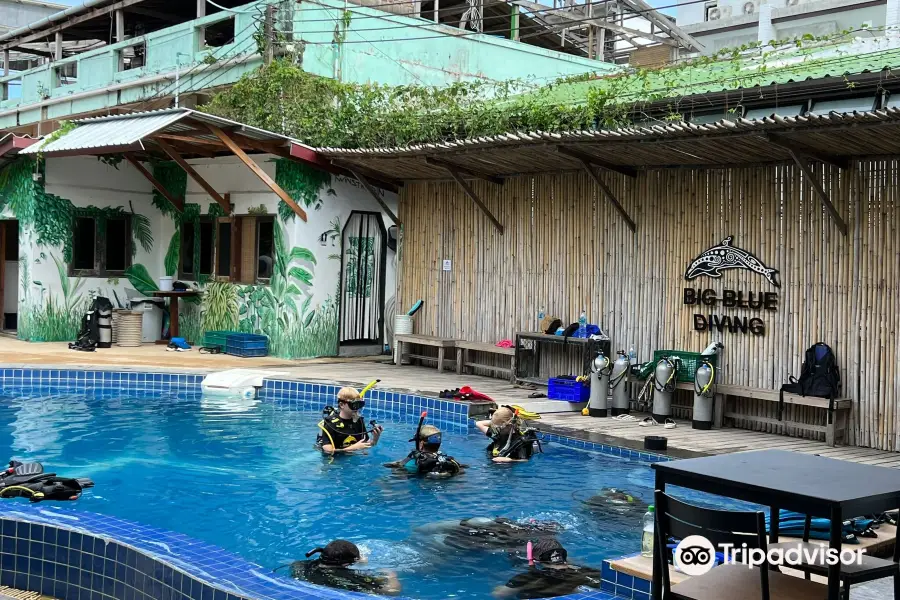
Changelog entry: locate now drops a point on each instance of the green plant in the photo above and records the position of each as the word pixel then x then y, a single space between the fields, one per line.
pixel 174 179
pixel 113 160
pixel 259 210
pixel 219 307
pixel 53 319
pixel 141 231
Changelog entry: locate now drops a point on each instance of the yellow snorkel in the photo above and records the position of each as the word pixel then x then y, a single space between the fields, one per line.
pixel 369 387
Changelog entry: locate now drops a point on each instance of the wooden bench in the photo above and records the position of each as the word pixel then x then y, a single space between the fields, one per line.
pixel 462 357
pixel 836 423
pixel 442 344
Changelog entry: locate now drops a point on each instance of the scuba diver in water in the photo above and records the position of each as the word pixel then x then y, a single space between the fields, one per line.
pixel 28 480
pixel 343 429
pixel 614 502
pixel 427 459
pixel 549 574
pixel 334 569
pixel 482 533
pixel 511 439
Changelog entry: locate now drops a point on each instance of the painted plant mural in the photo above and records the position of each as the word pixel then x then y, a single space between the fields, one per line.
pixel 298 309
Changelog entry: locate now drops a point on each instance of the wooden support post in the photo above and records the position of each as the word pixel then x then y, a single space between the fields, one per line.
pixel 585 157
pixel 513 22
pixel 239 152
pixel 371 189
pixel 173 154
pixel 469 172
pixel 58 46
pixel 471 194
pixel 178 203
pixel 608 193
pixel 820 190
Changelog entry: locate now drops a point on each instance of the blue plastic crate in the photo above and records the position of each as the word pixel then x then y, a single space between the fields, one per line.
pixel 566 388
pixel 246 345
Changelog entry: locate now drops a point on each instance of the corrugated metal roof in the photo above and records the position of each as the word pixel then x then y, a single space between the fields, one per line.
pixel 97 133
pixel 108 133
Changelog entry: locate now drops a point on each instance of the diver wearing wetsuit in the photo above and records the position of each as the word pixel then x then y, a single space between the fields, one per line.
pixel 427 459
pixel 510 441
pixel 344 430
pixel 553 577
pixel 485 533
pixel 333 569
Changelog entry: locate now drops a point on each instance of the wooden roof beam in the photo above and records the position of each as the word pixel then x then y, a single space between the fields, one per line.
pixel 802 149
pixel 173 154
pixel 674 31
pixel 42 34
pixel 474 197
pixel 465 171
pixel 178 203
pixel 590 159
pixel 608 193
pixel 257 170
pixel 820 190
pixel 371 189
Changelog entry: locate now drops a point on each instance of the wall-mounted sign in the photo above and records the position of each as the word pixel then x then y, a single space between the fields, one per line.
pixel 725 256
pixel 448 265
pixel 711 263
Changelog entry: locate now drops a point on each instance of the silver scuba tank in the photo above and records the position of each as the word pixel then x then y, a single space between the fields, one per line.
pixel 621 403
pixel 704 393
pixel 600 369
pixel 664 387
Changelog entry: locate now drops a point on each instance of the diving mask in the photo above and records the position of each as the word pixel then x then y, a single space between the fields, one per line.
pixel 356 405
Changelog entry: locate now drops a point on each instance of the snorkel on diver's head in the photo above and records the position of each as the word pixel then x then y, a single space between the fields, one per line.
pixel 418 435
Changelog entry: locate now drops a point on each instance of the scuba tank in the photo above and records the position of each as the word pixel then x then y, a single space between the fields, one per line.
pixel 664 381
pixel 600 370
pixel 621 403
pixel 704 380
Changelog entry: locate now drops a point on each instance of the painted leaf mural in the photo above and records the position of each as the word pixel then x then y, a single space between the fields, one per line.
pixel 141 280
pixel 360 270
pixel 173 254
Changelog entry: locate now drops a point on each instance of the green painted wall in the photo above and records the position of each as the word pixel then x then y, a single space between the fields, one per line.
pixel 384 49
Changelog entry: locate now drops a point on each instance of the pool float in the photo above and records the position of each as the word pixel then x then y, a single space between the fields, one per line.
pixel 28 480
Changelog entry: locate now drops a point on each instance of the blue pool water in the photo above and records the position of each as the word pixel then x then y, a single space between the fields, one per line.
pixel 244 476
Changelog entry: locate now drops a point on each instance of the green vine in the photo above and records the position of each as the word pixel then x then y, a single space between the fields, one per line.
pixel 328 113
pixel 174 179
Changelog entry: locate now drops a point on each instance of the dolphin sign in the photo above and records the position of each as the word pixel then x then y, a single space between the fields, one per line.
pixel 725 256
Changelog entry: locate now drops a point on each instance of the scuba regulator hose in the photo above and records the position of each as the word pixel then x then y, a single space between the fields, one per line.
pixel 709 384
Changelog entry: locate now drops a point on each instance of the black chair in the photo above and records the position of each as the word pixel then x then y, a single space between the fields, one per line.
pixel 679 520
pixel 870 568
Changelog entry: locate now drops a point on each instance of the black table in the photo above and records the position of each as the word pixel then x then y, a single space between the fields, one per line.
pixel 529 370
pixel 821 487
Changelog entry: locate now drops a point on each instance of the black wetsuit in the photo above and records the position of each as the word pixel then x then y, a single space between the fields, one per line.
pixel 499 533
pixel 343 432
pixel 521 448
pixel 436 464
pixel 539 582
pixel 313 571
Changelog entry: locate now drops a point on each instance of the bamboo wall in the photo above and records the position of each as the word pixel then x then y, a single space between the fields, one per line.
pixel 566 248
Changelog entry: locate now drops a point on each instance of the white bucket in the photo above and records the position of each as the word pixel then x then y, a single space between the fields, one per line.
pixel 165 283
pixel 403 325
pixel 130 328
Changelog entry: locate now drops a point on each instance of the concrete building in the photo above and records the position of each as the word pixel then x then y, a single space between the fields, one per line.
pixel 719 24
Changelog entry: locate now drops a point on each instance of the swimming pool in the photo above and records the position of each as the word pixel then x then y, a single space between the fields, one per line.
pixel 244 476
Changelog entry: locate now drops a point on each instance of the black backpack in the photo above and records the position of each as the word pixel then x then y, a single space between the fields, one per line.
pixel 819 377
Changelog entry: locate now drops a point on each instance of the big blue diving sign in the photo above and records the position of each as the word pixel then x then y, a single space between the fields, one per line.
pixel 711 263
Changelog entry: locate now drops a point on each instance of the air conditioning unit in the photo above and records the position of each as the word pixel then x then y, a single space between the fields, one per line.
pixel 791 2
pixel 749 8
pixel 713 13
